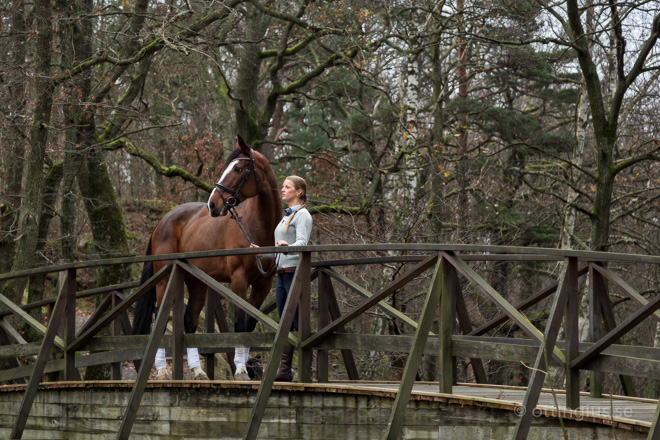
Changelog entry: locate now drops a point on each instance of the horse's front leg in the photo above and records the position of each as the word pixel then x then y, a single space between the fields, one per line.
pixel 242 323
pixel 196 300
pixel 161 362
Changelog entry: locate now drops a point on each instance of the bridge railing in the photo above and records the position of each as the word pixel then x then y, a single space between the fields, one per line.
pixel 447 267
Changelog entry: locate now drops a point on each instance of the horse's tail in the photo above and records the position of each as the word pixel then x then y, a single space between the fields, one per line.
pixel 146 305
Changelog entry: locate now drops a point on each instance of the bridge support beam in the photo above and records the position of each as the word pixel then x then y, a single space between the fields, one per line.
pixel 572 333
pixel 540 369
pixel 419 342
pixel 174 289
pixel 59 311
pixel 276 351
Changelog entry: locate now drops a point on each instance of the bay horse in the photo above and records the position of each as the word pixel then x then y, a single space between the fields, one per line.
pixel 248 188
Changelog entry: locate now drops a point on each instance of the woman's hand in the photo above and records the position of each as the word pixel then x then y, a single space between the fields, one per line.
pixel 252 245
pixel 282 243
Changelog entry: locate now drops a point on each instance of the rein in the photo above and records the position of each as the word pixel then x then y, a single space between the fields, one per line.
pixel 248 237
pixel 230 205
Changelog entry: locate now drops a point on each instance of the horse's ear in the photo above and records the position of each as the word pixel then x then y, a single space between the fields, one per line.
pixel 245 148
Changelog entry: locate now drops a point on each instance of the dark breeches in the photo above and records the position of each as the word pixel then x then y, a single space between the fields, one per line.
pixel 282 288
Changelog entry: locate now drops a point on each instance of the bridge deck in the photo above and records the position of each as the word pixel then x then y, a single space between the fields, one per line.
pixel 621 410
pixel 327 410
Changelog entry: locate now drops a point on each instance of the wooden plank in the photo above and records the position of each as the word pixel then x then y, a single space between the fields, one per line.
pixel 347 355
pixel 373 300
pixel 502 303
pixel 572 334
pixel 625 287
pixel 100 310
pixel 523 305
pixel 265 388
pixel 386 308
pixel 525 253
pixel 235 299
pixel 610 324
pixel 79 295
pixel 614 335
pixel 39 366
pixel 466 328
pixel 429 310
pixel 304 314
pixel 29 320
pixel 121 308
pixel 175 283
pixel 542 358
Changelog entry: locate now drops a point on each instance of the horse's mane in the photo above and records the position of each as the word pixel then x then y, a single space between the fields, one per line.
pixel 234 154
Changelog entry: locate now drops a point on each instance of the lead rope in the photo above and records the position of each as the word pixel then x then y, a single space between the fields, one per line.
pixel 246 233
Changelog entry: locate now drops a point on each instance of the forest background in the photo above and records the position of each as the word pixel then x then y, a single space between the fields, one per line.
pixel 503 122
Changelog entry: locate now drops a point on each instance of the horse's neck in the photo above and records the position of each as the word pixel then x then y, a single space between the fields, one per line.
pixel 269 203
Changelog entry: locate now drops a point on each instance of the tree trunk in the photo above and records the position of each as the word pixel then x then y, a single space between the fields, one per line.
pixel 29 217
pixel 14 138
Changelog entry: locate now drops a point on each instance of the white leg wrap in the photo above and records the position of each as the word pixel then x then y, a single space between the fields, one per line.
pixel 241 356
pixel 193 358
pixel 160 361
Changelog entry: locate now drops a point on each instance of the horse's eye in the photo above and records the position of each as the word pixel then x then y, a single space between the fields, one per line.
pixel 237 170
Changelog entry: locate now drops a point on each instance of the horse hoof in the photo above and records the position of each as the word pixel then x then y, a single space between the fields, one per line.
pixel 241 374
pixel 199 374
pixel 163 374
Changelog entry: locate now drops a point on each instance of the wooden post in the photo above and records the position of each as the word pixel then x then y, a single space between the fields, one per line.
pixel 419 343
pixel 572 334
pixel 448 280
pixel 322 358
pixel 596 295
pixel 304 317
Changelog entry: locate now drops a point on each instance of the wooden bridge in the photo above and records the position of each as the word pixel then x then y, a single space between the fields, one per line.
pixel 390 410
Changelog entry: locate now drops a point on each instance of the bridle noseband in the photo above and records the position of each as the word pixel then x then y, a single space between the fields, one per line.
pixel 234 198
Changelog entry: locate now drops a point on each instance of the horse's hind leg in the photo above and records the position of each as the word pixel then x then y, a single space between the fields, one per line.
pixel 196 301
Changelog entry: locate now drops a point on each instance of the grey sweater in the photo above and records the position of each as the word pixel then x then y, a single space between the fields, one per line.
pixel 298 234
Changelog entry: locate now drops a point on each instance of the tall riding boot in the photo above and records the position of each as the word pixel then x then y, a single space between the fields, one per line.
pixel 285 374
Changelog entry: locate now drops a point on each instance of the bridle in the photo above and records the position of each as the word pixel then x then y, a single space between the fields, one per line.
pixel 233 200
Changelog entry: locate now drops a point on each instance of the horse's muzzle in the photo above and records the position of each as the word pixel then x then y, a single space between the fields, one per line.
pixel 215 211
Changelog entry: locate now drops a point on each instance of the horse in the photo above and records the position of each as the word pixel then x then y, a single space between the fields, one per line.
pixel 248 189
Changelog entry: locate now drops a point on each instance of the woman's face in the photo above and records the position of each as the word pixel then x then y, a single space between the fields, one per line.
pixel 290 195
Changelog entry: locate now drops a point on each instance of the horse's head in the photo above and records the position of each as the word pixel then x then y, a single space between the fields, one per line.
pixel 239 181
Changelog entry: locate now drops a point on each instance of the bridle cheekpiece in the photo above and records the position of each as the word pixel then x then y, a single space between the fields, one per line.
pixel 234 198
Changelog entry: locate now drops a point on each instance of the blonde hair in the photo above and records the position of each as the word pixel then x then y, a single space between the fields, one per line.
pixel 299 184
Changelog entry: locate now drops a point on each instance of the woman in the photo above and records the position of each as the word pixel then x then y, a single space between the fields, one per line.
pixel 294 230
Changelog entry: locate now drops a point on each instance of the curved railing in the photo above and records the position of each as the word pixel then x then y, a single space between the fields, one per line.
pixel 445 267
